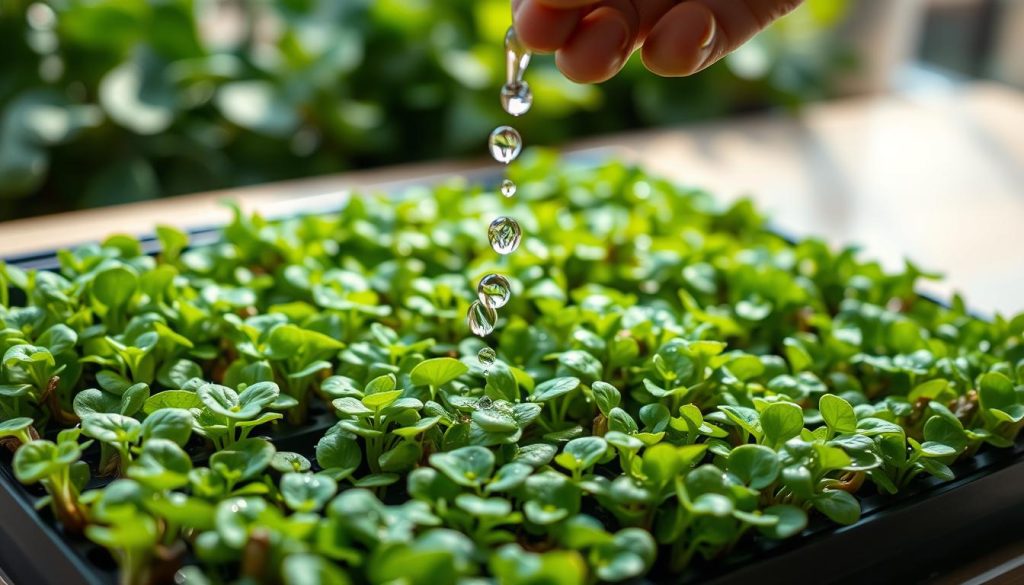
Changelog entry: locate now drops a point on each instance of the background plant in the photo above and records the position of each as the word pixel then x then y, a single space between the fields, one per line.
pixel 121 100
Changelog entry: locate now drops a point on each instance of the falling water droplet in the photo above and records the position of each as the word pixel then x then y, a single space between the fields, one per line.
pixel 508 188
pixel 517 58
pixel 516 98
pixel 486 357
pixel 505 235
pixel 494 291
pixel 481 319
pixel 505 144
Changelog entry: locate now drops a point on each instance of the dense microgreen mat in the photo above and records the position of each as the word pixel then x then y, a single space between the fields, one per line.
pixel 675 383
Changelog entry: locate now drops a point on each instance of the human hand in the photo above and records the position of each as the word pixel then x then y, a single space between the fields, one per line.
pixel 592 39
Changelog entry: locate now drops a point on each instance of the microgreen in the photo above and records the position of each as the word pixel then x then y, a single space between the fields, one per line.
pixel 298 401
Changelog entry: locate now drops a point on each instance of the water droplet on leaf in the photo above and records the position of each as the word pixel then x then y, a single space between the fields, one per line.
pixel 508 188
pixel 481 319
pixel 505 144
pixel 505 235
pixel 494 290
pixel 516 98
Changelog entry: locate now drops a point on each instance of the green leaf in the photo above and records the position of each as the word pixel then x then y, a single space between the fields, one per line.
pixel 582 453
pixel 580 364
pixel 381 400
pixel 754 465
pixel 338 455
pixel 243 461
pixel 385 383
pixel 286 461
pixel 932 390
pixel 25 355
pixel 781 421
pixel 111 428
pixel 306 492
pixel 791 521
pixel 509 476
pixel 173 424
pixel 401 457
pixel 137 533
pixel 259 394
pixel 606 396
pixel 466 466
pixel 837 413
pixel 553 388
pixel 183 510
pixel 838 505
pixel 162 465
pixel 226 402
pixel 501 383
pixel 945 431
pixel 184 399
pixel 495 420
pixel 311 569
pixel 712 505
pixel 115 286
pixel 36 461
pixel 998 397
pixel 14 426
pixel 484 507
pixel 437 372
pixel 661 464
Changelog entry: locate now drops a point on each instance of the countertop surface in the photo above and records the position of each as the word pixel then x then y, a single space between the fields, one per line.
pixel 934 176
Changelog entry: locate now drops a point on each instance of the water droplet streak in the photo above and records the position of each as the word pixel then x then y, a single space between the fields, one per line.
pixel 517 58
pixel 494 290
pixel 504 234
pixel 516 98
pixel 508 188
pixel 486 356
pixel 481 319
pixel 505 144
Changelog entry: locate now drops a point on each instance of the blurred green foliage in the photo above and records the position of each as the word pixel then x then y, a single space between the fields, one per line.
pixel 105 101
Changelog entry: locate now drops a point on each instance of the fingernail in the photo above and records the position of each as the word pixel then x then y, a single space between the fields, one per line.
pixel 708 42
pixel 621 32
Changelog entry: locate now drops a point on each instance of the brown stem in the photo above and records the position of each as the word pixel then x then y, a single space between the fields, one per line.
pixel 52 402
pixel 71 517
pixel 166 562
pixel 254 556
pixel 851 482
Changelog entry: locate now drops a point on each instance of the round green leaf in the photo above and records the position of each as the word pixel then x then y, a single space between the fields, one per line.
pixel 467 466
pixel 754 465
pixel 437 372
pixel 837 413
pixel 781 421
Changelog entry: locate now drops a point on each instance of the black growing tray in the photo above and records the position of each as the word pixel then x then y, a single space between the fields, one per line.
pixel 923 532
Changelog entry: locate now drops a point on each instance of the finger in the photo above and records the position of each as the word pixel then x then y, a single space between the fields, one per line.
pixel 697 33
pixel 566 4
pixel 650 12
pixel 599 47
pixel 544 29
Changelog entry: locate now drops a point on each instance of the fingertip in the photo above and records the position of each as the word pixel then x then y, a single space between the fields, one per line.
pixel 544 29
pixel 683 42
pixel 598 48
